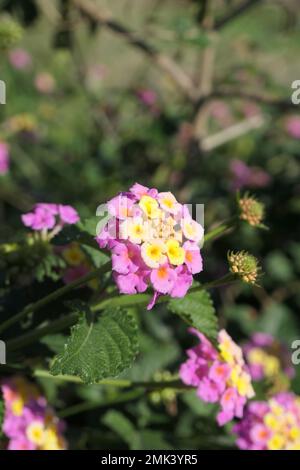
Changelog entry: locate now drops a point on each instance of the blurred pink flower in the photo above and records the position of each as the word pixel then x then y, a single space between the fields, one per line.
pixel 149 98
pixel 46 216
pixel 72 273
pixel 20 59
pixel 268 358
pixel 246 176
pixel 270 425
pixel 292 126
pixel 45 83
pixel 220 375
pixel 29 421
pixel 4 158
pixel 221 112
pixel 250 109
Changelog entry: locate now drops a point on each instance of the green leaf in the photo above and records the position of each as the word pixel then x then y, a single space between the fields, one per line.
pixel 121 425
pixel 49 267
pixel 198 407
pixel 96 256
pixel 99 348
pixel 198 311
pixel 279 267
pixel 74 233
pixel 54 342
pixel 155 355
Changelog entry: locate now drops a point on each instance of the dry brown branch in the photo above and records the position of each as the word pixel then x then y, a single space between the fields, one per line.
pixel 165 63
pixel 206 74
pixel 231 133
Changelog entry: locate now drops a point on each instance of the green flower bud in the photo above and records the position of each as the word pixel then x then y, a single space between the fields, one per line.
pixel 244 265
pixel 10 32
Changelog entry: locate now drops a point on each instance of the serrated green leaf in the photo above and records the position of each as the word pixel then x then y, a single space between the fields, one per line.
pixel 198 311
pixel 100 348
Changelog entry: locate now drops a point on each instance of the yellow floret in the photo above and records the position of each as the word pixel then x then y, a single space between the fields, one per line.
pixel 17 407
pixel 153 253
pixel 276 442
pixel 175 252
pixel 149 205
pixel 74 255
pixel 36 432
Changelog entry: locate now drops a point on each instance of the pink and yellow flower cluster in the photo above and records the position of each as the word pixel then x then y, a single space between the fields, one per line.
pixel 154 242
pixel 29 422
pixel 270 425
pixel 268 359
pixel 220 375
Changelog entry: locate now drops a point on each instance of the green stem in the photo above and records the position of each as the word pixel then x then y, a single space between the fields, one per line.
pixel 113 299
pixel 32 336
pixel 54 296
pixel 220 229
pixel 143 299
pixel 120 383
pixel 83 407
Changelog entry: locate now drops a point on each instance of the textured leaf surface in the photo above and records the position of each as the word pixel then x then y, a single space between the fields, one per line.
pixel 98 348
pixel 198 311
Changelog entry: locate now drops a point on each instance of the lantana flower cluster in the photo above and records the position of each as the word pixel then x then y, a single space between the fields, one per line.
pixel 154 242
pixel 29 422
pixel 268 359
pixel 47 216
pixel 270 425
pixel 219 374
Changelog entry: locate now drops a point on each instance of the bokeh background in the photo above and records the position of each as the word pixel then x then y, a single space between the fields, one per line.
pixel 184 95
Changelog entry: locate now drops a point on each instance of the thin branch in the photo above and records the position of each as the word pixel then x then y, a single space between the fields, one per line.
pixel 165 63
pixel 231 93
pixel 231 133
pixel 239 10
pixel 206 75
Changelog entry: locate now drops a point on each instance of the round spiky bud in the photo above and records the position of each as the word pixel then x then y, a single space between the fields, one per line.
pixel 244 265
pixel 10 32
pixel 251 210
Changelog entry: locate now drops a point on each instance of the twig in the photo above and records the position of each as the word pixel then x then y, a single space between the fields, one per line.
pixel 206 75
pixel 165 63
pixel 231 93
pixel 232 132
pixel 239 10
